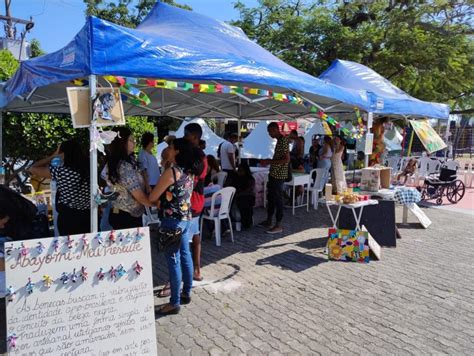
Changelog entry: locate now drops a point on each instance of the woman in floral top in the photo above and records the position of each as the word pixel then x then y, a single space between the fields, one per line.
pixel 173 196
pixel 123 174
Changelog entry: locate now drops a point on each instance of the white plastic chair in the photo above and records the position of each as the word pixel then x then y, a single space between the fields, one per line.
pixel 433 166
pixel 468 175
pixel 220 178
pixel 317 187
pixel 393 163
pixel 223 212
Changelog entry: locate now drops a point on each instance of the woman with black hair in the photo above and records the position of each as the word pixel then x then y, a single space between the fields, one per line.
pixel 173 196
pixel 72 186
pixel 125 177
pixel 245 194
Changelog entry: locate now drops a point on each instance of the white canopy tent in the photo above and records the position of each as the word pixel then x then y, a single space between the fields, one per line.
pixel 212 140
pixel 258 144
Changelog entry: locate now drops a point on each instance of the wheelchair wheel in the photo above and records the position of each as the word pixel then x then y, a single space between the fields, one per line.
pixel 455 191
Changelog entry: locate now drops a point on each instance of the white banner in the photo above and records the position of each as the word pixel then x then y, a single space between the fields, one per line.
pixel 86 294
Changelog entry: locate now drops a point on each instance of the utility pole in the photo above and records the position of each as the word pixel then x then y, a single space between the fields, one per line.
pixel 9 30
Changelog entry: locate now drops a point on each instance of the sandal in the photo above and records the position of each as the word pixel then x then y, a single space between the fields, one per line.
pixel 165 291
pixel 198 279
pixel 167 309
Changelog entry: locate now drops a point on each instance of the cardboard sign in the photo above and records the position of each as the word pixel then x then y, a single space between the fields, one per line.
pixel 84 294
pixel 428 135
pixel 107 108
pixel 420 215
pixel 375 248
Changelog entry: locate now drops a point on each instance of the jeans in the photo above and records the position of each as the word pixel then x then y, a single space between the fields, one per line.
pixel 180 261
pixel 275 199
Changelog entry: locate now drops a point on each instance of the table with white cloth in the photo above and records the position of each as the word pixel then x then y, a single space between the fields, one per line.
pixel 260 174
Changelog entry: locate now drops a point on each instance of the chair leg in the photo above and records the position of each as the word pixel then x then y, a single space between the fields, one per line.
pixel 217 228
pixel 231 230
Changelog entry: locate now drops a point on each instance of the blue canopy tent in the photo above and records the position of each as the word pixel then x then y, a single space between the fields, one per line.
pixel 383 97
pixel 172 44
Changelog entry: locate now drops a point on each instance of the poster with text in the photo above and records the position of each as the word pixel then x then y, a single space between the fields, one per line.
pixel 428 136
pixel 88 294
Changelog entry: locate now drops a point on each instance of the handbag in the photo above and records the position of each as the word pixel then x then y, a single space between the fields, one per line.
pixel 168 237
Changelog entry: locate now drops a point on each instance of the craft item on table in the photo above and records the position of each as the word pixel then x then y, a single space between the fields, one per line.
pixel 69 242
pixel 112 272
pixel 120 237
pixel 370 179
pixel 12 341
pixel 348 245
pixel 11 294
pixel 47 281
pixel 128 237
pixel 328 192
pixel 85 242
pixel 29 286
pixel 99 238
pixel 100 274
pixel 40 247
pixel 138 269
pixel 64 278
pixel 112 237
pixel 23 250
pixel 121 271
pixel 74 276
pixel 84 274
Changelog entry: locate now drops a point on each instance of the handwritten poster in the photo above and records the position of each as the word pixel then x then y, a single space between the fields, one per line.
pixel 81 295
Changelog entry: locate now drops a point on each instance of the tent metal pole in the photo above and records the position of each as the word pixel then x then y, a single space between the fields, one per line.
pixel 370 119
pixel 93 161
pixel 239 130
pixel 1 137
pixel 446 139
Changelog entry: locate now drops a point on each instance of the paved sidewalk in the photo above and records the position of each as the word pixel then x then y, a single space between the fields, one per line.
pixel 272 295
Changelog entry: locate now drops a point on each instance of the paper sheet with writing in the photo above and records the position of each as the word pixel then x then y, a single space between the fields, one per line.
pixel 81 295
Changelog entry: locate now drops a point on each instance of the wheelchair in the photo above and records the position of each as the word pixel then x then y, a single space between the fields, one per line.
pixel 445 185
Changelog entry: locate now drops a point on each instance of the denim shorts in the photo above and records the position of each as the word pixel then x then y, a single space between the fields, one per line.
pixel 194 227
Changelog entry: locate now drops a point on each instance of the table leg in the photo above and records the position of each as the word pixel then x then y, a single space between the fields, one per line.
pixel 331 216
pixel 358 218
pixel 337 215
pixel 405 214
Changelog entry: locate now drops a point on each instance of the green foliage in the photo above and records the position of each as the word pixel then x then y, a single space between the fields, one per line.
pixel 126 13
pixel 36 49
pixel 139 125
pixel 425 48
pixel 8 65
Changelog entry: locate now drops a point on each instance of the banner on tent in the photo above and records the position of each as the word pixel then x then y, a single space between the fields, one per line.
pixel 428 136
pixel 107 107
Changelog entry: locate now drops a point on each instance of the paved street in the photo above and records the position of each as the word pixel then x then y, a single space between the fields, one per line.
pixel 267 295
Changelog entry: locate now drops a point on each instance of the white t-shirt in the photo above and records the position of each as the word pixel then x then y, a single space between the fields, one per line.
pixel 149 164
pixel 226 149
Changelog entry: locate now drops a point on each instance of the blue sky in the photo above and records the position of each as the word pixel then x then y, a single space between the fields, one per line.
pixel 57 21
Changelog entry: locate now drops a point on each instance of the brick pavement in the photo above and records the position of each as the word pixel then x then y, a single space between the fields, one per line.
pixel 267 295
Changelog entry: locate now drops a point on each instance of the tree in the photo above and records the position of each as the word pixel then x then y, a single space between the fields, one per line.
pixel 425 48
pixel 8 64
pixel 126 13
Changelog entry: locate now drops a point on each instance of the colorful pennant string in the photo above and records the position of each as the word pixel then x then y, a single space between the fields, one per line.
pixel 130 93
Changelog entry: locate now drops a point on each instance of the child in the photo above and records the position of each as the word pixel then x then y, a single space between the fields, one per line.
pixel 409 170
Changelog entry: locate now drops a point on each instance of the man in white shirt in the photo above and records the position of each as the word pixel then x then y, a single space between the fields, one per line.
pixel 148 162
pixel 227 153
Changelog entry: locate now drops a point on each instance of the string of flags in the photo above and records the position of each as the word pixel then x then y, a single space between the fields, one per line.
pixel 131 93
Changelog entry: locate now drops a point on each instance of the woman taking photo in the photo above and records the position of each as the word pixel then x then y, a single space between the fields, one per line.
pixel 127 181
pixel 72 186
pixel 173 193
